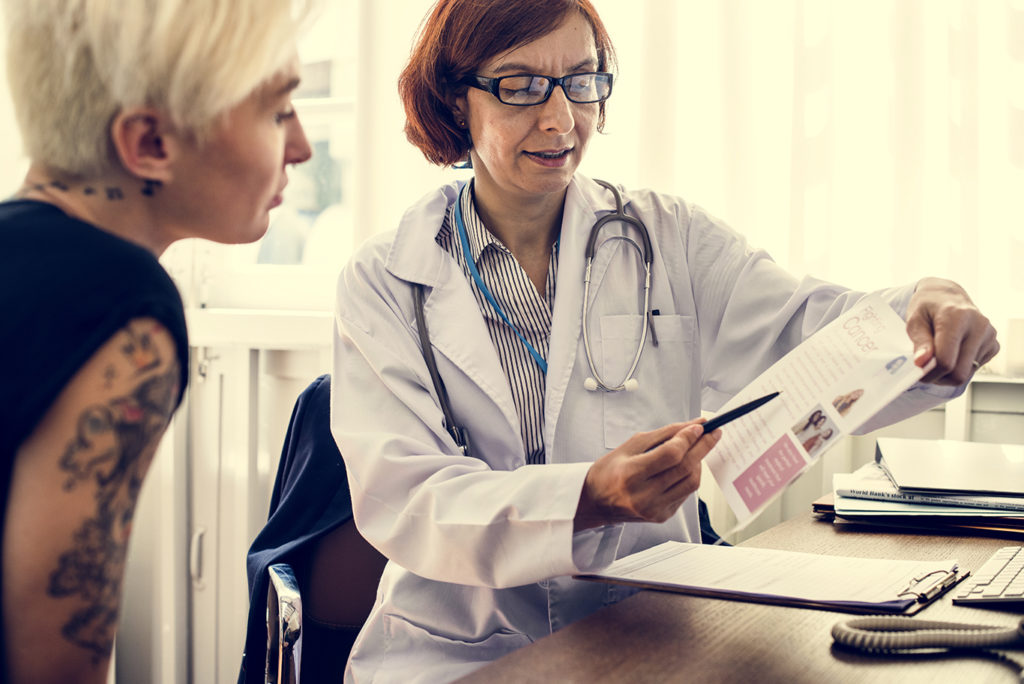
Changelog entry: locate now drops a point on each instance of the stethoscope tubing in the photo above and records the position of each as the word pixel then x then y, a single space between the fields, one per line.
pixel 646 254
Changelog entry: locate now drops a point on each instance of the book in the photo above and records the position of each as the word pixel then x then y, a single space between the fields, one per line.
pixel 952 467
pixel 870 482
pixel 824 508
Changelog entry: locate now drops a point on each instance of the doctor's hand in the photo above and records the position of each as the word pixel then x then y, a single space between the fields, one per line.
pixel 647 478
pixel 944 324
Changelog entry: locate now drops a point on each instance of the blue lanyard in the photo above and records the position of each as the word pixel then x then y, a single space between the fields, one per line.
pixel 464 239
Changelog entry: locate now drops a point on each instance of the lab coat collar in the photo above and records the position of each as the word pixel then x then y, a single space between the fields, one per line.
pixel 416 257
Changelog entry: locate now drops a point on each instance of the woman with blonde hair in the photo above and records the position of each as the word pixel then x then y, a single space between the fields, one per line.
pixel 144 123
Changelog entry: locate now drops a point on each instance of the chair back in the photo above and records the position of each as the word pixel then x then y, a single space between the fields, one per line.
pixel 310 531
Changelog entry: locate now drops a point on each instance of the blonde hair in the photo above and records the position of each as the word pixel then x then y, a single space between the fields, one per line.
pixel 73 65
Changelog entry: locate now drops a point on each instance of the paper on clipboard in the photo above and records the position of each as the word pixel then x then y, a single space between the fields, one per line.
pixel 831 384
pixel 856 585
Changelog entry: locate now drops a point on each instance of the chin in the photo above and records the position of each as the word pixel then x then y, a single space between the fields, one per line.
pixel 258 233
pixel 246 234
pixel 553 183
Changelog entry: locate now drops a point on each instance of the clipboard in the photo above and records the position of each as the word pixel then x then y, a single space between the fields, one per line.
pixel 790 578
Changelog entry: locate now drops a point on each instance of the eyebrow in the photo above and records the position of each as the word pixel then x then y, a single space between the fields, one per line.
pixel 520 68
pixel 288 87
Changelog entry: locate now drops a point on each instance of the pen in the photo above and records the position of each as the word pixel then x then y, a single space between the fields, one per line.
pixel 729 416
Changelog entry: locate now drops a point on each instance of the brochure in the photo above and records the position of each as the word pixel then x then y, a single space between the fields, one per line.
pixel 830 385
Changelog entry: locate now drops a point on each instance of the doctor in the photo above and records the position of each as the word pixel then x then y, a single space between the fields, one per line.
pixel 560 477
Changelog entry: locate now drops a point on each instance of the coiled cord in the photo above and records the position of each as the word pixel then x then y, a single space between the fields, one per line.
pixel 895 635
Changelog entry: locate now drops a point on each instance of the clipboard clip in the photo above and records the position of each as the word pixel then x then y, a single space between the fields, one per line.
pixel 928 586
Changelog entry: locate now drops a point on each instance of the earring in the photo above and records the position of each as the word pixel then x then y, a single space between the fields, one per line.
pixel 461 123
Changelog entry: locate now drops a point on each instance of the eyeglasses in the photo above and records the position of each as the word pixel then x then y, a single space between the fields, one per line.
pixel 524 90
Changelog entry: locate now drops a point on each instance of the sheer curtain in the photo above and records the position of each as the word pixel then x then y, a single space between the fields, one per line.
pixel 867 142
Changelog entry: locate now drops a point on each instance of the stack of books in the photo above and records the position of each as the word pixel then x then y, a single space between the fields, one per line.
pixel 939 485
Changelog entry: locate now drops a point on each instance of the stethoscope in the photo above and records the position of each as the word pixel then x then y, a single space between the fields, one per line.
pixel 595 381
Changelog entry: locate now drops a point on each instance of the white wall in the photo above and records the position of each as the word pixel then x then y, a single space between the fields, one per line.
pixel 14 164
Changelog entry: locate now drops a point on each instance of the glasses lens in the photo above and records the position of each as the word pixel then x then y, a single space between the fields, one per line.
pixel 523 90
pixel 585 88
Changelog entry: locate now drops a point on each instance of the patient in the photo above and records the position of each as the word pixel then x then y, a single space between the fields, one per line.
pixel 144 123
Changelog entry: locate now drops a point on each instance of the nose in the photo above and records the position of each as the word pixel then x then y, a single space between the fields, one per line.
pixel 556 114
pixel 297 148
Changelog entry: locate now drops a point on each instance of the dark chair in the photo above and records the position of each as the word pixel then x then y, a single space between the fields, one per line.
pixel 311 574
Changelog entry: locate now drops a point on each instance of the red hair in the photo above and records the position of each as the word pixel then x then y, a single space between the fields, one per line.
pixel 455 40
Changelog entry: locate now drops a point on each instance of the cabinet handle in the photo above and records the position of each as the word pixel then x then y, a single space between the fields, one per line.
pixel 195 556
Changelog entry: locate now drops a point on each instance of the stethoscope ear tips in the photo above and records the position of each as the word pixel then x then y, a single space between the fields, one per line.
pixel 590 384
pixel 631 385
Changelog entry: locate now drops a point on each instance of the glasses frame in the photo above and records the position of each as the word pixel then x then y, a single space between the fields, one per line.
pixel 491 85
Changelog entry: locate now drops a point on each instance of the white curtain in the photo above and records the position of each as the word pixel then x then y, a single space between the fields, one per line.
pixel 869 142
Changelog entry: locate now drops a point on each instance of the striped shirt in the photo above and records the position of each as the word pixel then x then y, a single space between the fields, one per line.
pixel 526 309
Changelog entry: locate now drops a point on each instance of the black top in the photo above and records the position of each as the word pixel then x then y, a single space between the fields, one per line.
pixel 66 287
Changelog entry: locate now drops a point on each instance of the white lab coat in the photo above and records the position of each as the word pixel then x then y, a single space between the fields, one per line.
pixel 482 547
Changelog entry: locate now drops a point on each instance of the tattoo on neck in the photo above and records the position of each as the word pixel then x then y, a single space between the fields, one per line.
pixel 150 187
pixel 113 193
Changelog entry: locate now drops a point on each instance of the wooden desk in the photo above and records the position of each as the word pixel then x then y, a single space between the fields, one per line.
pixel 664 637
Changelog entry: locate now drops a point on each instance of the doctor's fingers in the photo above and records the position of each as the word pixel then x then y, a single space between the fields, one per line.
pixel 964 341
pixel 642 442
pixel 687 468
pixel 683 451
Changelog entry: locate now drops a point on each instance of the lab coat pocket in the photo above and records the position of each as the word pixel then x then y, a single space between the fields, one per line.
pixel 664 373
pixel 422 647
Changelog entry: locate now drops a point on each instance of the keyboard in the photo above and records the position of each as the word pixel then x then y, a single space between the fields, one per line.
pixel 998 580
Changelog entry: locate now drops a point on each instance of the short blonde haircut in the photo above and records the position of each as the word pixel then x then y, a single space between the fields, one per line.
pixel 73 65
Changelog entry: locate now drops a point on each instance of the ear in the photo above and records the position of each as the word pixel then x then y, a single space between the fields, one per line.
pixel 140 138
pixel 460 110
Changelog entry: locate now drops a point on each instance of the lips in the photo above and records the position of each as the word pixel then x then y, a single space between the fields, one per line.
pixel 551 154
pixel 279 197
pixel 550 158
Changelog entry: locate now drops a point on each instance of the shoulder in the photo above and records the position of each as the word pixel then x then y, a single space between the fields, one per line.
pixel 67 288
pixel 658 210
pixel 408 254
pixel 131 381
pixel 40 243
pixel 668 216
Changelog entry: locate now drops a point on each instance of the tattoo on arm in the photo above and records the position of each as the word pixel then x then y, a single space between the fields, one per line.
pixel 109 450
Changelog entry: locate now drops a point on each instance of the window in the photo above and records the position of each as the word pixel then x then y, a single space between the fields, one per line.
pixel 310 235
